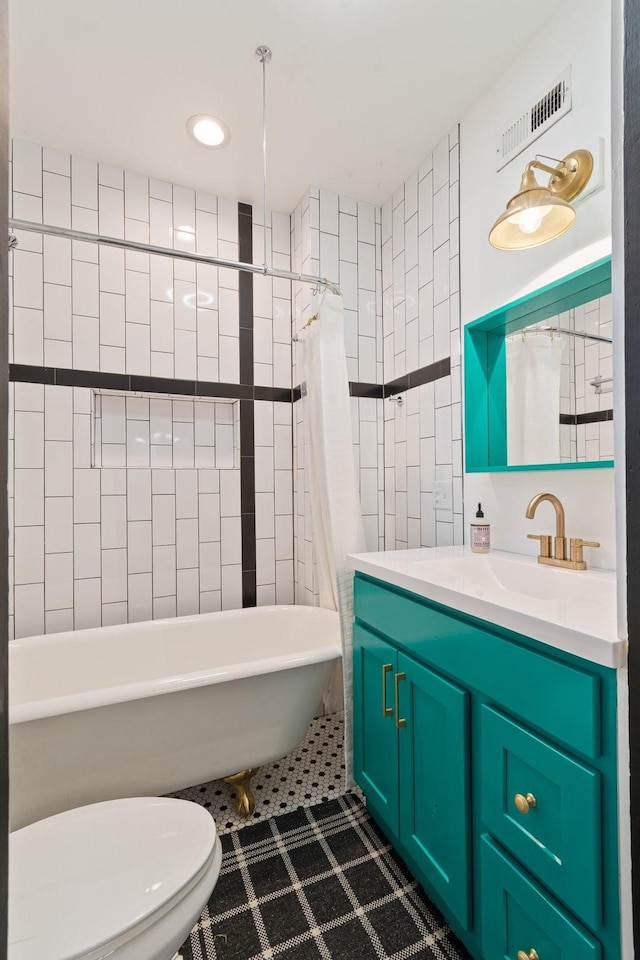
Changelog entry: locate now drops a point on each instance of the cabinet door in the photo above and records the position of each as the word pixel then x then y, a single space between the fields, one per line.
pixel 434 789
pixel 375 665
pixel 519 917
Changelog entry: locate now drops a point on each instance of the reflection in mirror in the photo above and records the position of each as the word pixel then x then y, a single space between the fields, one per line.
pixel 560 388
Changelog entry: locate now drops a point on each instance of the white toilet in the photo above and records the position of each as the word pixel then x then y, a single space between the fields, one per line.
pixel 124 879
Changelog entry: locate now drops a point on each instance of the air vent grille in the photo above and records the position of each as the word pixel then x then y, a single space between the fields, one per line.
pixel 535 120
pixel 544 109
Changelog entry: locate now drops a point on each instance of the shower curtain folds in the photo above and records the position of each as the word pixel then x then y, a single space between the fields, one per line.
pixel 534 366
pixel 332 479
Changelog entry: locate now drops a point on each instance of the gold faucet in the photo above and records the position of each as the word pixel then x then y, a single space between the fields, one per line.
pixel 557 557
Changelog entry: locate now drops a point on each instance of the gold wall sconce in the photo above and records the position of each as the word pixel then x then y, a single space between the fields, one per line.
pixel 538 214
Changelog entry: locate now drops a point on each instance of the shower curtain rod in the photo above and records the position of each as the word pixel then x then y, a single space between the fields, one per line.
pixel 569 333
pixel 261 269
pixel 577 333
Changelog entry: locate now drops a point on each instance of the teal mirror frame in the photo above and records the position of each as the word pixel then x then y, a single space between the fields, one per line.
pixel 485 367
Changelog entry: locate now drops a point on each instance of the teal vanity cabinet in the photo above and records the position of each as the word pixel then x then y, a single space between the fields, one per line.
pixel 488 759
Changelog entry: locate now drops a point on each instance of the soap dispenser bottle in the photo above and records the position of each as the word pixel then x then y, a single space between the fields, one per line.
pixel 480 533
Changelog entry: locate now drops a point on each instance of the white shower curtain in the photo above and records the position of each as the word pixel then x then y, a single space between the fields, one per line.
pixel 333 484
pixel 534 364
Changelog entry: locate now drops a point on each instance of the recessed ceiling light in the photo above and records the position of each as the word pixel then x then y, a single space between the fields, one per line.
pixel 208 131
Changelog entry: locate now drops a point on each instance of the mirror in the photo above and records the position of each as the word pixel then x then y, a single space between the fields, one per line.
pixel 560 387
pixel 539 378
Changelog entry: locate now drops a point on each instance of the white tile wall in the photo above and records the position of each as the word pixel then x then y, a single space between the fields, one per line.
pixel 421 324
pixel 398 269
pixel 76 305
pixel 117 545
pixel 274 520
pixel 272 302
pixel 95 546
pixel 101 309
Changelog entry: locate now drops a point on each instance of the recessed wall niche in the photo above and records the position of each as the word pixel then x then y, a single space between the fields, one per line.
pixel 145 430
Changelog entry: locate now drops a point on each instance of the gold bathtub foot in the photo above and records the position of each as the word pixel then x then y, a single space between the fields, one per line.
pixel 245 800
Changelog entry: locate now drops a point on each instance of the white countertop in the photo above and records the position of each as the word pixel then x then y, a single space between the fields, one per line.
pixel 571 610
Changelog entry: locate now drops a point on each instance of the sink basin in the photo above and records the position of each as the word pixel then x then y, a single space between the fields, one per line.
pixel 573 610
pixel 511 575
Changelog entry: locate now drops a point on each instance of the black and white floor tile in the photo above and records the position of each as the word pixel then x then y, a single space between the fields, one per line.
pixel 314 772
pixel 318 882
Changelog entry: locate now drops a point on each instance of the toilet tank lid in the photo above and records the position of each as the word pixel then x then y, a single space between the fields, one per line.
pixel 81 878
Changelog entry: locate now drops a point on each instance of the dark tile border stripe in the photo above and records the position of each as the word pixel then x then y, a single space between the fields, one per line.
pixel 21 373
pixel 277 394
pixel 247 411
pixel 97 380
pixel 599 416
pixel 374 391
pixel 434 371
pixel 578 419
pixel 378 391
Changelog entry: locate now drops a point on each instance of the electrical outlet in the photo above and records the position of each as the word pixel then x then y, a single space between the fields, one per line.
pixel 442 495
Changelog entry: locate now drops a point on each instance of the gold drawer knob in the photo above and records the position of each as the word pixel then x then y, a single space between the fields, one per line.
pixel 524 804
pixel 532 955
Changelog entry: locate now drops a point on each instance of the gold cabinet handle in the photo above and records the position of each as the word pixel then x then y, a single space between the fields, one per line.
pixel 532 955
pixel 524 803
pixel 400 721
pixel 386 711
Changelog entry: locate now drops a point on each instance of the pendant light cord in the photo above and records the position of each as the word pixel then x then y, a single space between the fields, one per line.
pixel 263 54
pixel 264 160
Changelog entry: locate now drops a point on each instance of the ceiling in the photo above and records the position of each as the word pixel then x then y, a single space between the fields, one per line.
pixel 358 91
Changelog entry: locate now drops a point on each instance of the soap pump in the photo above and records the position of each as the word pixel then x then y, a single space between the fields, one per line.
pixel 480 533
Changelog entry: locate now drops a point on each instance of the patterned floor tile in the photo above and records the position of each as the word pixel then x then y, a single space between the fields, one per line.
pixel 312 773
pixel 318 882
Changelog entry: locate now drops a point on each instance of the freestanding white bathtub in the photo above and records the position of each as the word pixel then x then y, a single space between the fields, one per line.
pixel 148 708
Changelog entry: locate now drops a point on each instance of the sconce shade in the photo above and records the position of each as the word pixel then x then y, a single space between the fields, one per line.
pixel 533 216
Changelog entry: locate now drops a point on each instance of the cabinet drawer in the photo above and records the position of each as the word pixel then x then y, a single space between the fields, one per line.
pixel 559 839
pixel 516 915
pixel 566 704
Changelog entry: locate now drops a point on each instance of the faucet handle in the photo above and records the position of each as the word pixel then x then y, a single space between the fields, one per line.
pixel 576 545
pixel 545 542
